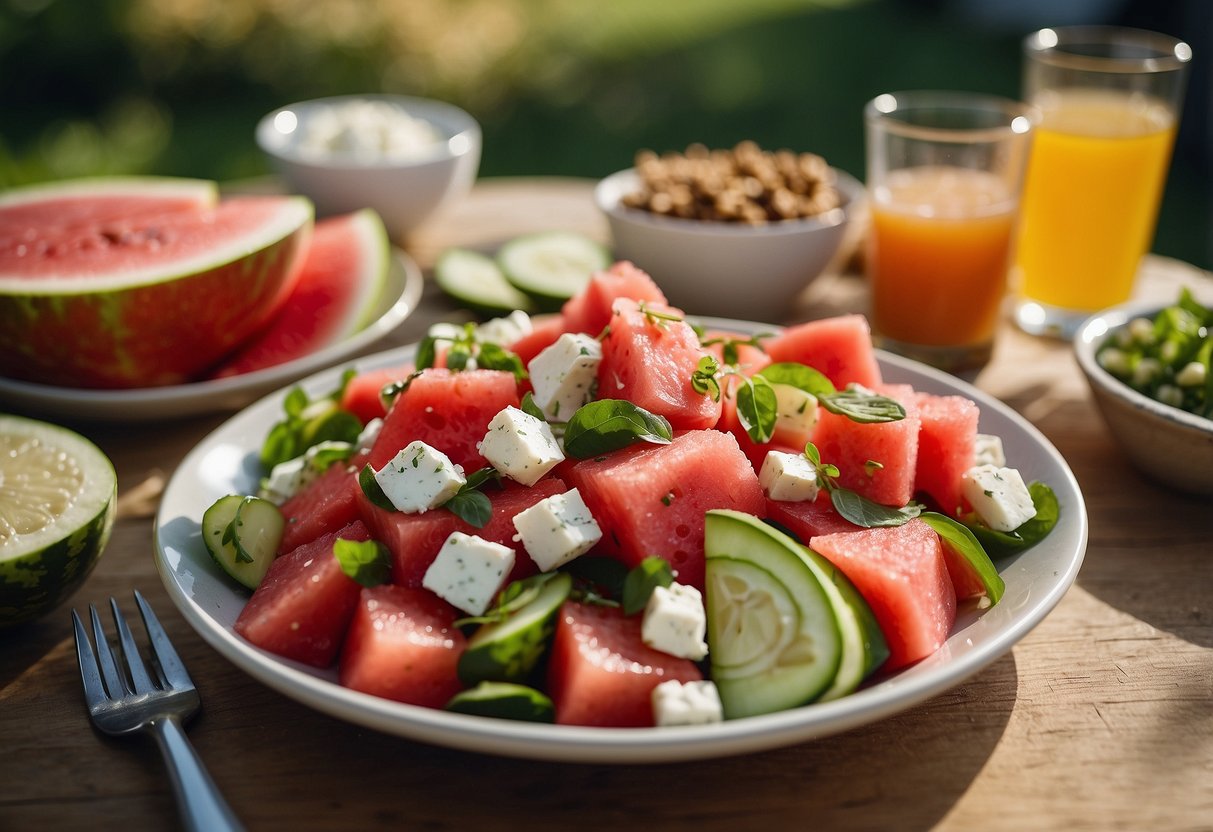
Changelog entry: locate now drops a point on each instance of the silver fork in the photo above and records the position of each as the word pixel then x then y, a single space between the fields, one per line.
pixel 123 701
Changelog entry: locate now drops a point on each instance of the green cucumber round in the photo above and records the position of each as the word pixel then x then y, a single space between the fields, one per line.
pixel 242 535
pixel 476 281
pixel 508 650
pixel 551 266
pixel 504 700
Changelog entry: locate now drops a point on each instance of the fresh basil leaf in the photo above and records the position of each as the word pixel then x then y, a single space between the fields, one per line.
pixel 427 352
pixel 335 425
pixel 373 491
pixel 480 476
pixel 458 355
pixel 863 407
pixel 470 506
pixel 610 424
pixel 597 580
pixel 960 539
pixel 800 376
pixel 641 580
pixel 530 408
pixel 864 512
pixel 1001 544
pixel 295 402
pixel 281 444
pixel 366 561
pixel 757 408
pixel 493 357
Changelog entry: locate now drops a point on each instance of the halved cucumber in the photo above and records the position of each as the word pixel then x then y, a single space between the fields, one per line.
pixel 507 651
pixel 773 635
pixel 242 534
pixel 504 700
pixel 476 280
pixel 551 266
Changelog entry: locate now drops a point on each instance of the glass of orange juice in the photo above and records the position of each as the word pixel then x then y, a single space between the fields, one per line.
pixel 944 176
pixel 1109 101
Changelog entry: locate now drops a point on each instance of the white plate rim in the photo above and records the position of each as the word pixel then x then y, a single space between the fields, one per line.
pixel 1036 581
pixel 403 293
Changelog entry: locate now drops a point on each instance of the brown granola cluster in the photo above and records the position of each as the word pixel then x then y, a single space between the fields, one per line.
pixel 744 185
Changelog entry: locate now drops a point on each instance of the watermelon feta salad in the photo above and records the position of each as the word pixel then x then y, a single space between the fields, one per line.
pixel 612 517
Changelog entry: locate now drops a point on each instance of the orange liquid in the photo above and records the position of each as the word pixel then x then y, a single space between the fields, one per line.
pixel 1095 178
pixel 938 255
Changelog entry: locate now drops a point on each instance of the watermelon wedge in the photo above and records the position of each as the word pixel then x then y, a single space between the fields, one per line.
pixel 339 286
pixel 138 282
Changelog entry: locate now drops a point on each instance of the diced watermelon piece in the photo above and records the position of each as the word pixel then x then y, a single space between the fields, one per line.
pixel 601 673
pixel 650 361
pixel 839 347
pixel 900 572
pixel 750 359
pixel 590 310
pixel 302 607
pixel 809 518
pixel 361 395
pixel 414 539
pixel 403 645
pixel 946 442
pixel 853 446
pixel 543 334
pixel 447 410
pixel 650 499
pixel 324 505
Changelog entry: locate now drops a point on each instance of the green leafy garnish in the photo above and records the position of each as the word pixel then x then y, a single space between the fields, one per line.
pixel 465 347
pixel 641 580
pixel 373 491
pixel 308 423
pixel 657 317
pixel 470 504
pixel 757 408
pixel 1001 544
pixel 730 347
pixel 863 406
pixel 853 506
pixel 597 580
pixel 610 424
pixel 494 357
pixel 962 541
pixel 801 376
pixel 366 561
pixel 704 381
pixel 530 408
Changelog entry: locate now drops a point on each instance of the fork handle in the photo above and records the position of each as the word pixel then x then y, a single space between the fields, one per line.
pixel 202 808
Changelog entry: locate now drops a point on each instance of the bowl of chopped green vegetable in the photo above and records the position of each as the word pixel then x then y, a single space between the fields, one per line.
pixel 1148 366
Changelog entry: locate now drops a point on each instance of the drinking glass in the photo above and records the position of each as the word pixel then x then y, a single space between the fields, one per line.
pixel 944 175
pixel 1109 100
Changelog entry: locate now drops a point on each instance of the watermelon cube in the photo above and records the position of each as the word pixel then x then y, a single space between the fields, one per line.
pixel 901 573
pixel 750 359
pixel 543 334
pixel 447 410
pixel 302 607
pixel 403 645
pixel 840 347
pixel 947 440
pixel 590 310
pixel 878 460
pixel 650 499
pixel 650 361
pixel 809 518
pixel 414 539
pixel 602 673
pixel 361 394
pixel 756 452
pixel 324 505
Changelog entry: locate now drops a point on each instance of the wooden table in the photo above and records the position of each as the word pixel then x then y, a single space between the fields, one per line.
pixel 1102 718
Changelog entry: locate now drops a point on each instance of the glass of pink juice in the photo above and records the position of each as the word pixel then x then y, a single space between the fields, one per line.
pixel 1109 101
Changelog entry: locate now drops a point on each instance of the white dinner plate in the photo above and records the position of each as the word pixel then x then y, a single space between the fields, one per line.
pixel 226 462
pixel 399 299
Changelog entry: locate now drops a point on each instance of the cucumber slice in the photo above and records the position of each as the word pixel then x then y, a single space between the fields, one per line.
pixel 476 281
pixel 242 534
pixel 507 651
pixel 773 632
pixel 551 266
pixel 504 700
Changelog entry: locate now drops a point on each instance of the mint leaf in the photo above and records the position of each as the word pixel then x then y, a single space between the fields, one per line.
pixel 470 506
pixel 800 376
pixel 757 408
pixel 610 424
pixel 961 540
pixel 863 406
pixel 640 582
pixel 373 491
pixel 366 561
pixel 864 512
pixel 530 408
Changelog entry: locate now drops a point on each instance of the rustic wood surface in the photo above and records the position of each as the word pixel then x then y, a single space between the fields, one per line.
pixel 1102 718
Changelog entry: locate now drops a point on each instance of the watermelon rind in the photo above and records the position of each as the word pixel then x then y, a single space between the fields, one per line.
pixel 203 191
pixel 40 568
pixel 376 250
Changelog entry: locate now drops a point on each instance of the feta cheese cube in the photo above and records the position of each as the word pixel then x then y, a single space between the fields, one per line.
pixel 987 450
pixel 368 435
pixel 419 478
pixel 468 572
pixel 286 479
pixel 686 703
pixel 788 477
pixel 505 331
pixel 999 496
pixel 795 410
pixel 520 446
pixel 557 529
pixel 675 622
pixel 564 375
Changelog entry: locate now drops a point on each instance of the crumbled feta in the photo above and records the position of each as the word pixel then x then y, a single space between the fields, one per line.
pixel 564 374
pixel 795 410
pixel 468 571
pixel 520 446
pixel 999 496
pixel 287 479
pixel 368 435
pixel 557 529
pixel 788 477
pixel 419 478
pixel 367 131
pixel 675 622
pixel 445 331
pixel 987 450
pixel 686 703
pixel 505 331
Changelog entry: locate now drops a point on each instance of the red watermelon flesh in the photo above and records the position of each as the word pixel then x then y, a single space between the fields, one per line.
pixel 335 295
pixel 601 673
pixel 809 518
pixel 650 499
pixel 946 442
pixel 851 446
pixel 590 310
pixel 302 607
pixel 447 410
pixel 900 572
pixel 750 359
pixel 403 645
pixel 840 347
pixel 324 505
pixel 414 539
pixel 650 361
pixel 361 395
pixel 543 334
pixel 101 298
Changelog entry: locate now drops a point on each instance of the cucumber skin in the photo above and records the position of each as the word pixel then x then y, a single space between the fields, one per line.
pixel 496 656
pixel 452 286
pixel 504 700
pixel 215 520
pixel 548 299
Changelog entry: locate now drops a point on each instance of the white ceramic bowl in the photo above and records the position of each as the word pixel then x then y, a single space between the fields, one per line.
pixel 1167 444
pixel 726 269
pixel 405 192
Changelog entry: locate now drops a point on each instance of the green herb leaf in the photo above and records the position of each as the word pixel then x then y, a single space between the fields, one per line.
pixel 366 561
pixel 1001 544
pixel 757 408
pixel 960 540
pixel 470 506
pixel 493 357
pixel 800 376
pixel 863 407
pixel 610 424
pixel 308 423
pixel 651 572
pixel 427 352
pixel 371 488
pixel 530 408
pixel 704 381
pixel 458 355
pixel 657 316
pixel 864 512
pixel 597 580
